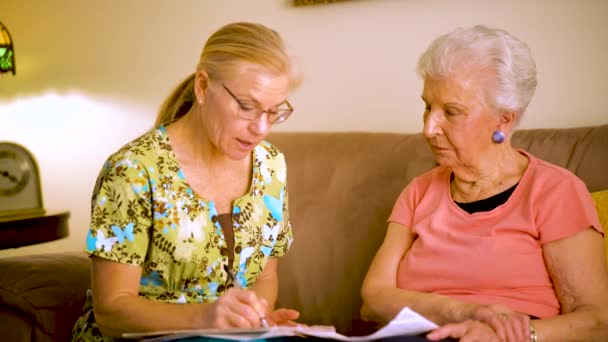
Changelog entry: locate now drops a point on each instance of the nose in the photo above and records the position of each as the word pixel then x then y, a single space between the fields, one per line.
pixel 261 125
pixel 432 123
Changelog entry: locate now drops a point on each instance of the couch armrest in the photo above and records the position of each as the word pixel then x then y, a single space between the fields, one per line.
pixel 14 327
pixel 47 289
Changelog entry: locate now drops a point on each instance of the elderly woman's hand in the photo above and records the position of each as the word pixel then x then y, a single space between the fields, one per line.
pixel 509 325
pixel 467 331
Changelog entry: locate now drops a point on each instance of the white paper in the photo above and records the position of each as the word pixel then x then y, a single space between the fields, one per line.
pixel 407 322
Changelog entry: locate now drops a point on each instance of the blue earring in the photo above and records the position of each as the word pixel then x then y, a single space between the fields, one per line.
pixel 498 137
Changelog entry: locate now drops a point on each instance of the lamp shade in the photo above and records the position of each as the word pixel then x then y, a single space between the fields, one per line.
pixel 7 52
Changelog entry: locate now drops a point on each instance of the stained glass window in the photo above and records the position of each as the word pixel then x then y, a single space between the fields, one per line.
pixel 7 52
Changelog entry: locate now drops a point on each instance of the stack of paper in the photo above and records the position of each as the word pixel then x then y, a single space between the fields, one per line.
pixel 407 322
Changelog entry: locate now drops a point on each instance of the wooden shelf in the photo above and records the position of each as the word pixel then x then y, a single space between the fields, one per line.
pixel 25 230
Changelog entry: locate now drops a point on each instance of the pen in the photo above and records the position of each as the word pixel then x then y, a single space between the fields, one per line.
pixel 238 285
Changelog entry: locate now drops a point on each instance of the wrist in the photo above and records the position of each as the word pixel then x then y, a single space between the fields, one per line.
pixel 467 311
pixel 200 315
pixel 533 336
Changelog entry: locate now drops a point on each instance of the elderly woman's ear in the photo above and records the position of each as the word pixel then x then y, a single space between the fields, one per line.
pixel 507 121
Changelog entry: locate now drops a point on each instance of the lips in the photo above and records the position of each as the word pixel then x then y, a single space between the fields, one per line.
pixel 438 148
pixel 245 144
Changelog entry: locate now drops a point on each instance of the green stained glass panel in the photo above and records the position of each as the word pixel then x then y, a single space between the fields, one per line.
pixel 6 62
pixel 2 51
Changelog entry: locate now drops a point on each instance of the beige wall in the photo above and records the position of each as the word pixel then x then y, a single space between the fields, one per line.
pixel 91 73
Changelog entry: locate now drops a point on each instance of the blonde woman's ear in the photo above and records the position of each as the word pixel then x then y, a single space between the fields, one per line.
pixel 201 84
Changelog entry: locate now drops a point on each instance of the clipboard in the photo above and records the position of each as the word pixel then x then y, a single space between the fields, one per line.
pixel 168 335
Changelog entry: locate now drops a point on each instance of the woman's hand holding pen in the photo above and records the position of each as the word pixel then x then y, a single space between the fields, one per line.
pixel 238 308
pixel 241 308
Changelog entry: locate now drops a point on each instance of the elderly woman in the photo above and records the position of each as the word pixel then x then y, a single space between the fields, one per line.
pixel 493 244
pixel 189 220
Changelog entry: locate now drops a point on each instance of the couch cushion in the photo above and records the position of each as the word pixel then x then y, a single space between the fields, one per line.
pixel 342 188
pixel 15 327
pixel 582 150
pixel 47 289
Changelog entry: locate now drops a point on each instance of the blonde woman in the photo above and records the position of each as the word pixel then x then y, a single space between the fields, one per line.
pixel 189 220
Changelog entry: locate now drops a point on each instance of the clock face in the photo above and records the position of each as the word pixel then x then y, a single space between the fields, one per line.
pixel 15 172
pixel 20 189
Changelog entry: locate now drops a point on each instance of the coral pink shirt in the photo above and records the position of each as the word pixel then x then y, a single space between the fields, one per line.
pixel 492 257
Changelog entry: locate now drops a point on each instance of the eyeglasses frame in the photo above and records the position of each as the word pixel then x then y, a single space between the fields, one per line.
pixel 273 119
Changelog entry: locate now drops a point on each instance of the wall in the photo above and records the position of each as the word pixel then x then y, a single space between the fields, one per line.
pixel 92 73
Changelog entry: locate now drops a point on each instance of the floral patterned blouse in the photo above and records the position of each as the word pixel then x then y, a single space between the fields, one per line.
pixel 145 213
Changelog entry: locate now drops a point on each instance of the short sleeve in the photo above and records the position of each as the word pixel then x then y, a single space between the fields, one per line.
pixel 120 212
pixel 403 210
pixel 285 237
pixel 565 209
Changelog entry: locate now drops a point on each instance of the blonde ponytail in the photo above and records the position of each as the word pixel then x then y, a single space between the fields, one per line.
pixel 178 103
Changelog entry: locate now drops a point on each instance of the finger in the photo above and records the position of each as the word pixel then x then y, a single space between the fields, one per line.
pixel 225 317
pixel 249 298
pixel 284 317
pixel 235 321
pixel 479 331
pixel 516 327
pixel 285 314
pixel 449 330
pixel 236 309
pixel 264 303
pixel 491 315
pixel 510 327
pixel 521 328
pixel 497 323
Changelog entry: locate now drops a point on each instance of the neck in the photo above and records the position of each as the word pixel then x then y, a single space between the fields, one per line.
pixel 192 144
pixel 489 176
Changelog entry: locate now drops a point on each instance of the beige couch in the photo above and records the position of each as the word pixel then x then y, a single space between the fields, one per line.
pixel 342 188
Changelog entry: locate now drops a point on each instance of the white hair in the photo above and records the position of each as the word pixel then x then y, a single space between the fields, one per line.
pixel 481 49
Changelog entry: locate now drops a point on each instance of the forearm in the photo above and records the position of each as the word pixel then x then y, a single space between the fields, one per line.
pixel 585 324
pixel 267 288
pixel 384 304
pixel 138 314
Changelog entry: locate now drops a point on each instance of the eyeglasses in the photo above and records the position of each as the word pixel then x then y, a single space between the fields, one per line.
pixel 251 111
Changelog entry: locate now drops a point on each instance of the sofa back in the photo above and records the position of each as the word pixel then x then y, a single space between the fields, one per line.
pixel 342 187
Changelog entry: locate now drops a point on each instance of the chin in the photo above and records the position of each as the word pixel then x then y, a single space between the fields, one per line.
pixel 237 154
pixel 444 161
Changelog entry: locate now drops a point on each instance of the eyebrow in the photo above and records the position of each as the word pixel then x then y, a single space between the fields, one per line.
pixel 456 105
pixel 453 104
pixel 249 98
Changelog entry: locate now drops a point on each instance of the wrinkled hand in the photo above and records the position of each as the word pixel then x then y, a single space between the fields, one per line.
pixel 237 308
pixel 467 331
pixel 285 317
pixel 509 325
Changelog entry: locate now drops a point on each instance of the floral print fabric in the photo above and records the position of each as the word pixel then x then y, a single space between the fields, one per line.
pixel 145 213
